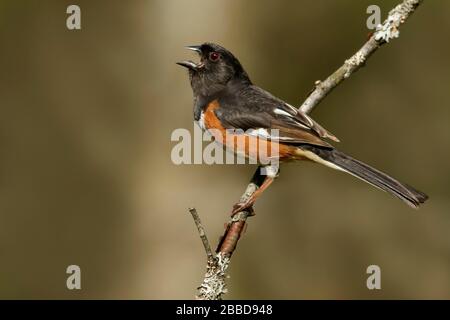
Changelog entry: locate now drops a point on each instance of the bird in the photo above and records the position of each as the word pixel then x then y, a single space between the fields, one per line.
pixel 227 102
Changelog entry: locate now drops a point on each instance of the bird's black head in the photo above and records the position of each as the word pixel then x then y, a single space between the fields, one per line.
pixel 217 67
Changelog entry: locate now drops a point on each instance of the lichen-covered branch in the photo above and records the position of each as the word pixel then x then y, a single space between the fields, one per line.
pixel 213 286
pixel 386 31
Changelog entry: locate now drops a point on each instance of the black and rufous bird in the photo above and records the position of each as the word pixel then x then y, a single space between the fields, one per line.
pixel 225 98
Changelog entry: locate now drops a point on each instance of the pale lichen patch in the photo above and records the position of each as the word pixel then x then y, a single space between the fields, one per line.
pixel 389 29
pixel 356 60
pixel 214 286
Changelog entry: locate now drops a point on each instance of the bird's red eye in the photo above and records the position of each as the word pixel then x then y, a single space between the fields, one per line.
pixel 214 56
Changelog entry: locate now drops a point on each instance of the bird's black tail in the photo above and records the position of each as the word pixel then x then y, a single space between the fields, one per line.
pixel 341 161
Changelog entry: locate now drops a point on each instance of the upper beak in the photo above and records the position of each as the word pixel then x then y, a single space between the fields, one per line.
pixel 194 48
pixel 190 64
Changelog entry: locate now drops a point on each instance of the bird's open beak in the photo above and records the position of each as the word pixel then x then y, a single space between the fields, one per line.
pixel 190 64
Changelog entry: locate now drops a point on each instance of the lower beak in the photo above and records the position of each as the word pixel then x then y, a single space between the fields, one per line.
pixel 188 64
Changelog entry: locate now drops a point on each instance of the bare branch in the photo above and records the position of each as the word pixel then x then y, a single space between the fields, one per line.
pixel 384 32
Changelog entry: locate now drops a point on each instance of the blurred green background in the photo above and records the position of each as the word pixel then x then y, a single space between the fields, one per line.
pixel 86 176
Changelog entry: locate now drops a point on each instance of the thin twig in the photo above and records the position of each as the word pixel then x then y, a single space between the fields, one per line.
pixel 202 233
pixel 214 285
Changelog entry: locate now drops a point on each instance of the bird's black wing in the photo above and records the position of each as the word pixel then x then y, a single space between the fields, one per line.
pixel 257 112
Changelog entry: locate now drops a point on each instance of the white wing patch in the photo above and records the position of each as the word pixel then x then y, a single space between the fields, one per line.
pixel 283 113
pixel 261 132
pixel 265 134
pixel 291 116
pixel 292 108
pixel 305 121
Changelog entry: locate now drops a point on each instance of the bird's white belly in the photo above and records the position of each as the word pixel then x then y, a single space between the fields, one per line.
pixel 201 121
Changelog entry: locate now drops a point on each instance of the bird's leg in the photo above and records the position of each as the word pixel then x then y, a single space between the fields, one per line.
pixel 247 205
pixel 241 206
